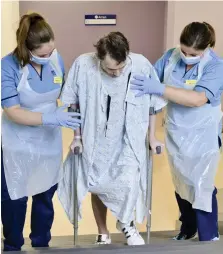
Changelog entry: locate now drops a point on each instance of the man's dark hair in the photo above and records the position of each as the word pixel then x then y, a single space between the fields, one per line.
pixel 115 45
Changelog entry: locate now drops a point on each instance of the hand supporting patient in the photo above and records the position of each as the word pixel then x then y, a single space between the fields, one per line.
pixel 144 85
pixel 60 118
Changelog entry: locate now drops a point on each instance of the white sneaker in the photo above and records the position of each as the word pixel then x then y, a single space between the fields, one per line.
pixel 103 239
pixel 217 238
pixel 131 233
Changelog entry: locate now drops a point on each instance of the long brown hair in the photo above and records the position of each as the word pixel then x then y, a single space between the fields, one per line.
pixel 198 35
pixel 32 32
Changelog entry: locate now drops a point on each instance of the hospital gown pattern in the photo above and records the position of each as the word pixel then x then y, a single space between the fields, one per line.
pixel 113 178
pixel 110 166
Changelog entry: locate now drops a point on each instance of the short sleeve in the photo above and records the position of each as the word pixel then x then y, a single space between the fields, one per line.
pixel 211 81
pixel 70 90
pixel 161 63
pixel 9 94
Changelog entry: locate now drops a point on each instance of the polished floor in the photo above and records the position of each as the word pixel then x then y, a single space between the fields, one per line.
pixel 160 243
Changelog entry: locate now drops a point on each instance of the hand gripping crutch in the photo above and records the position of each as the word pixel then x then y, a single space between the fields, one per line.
pixel 149 191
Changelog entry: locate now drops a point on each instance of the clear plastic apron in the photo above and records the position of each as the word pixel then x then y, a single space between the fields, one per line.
pixel 192 143
pixel 32 155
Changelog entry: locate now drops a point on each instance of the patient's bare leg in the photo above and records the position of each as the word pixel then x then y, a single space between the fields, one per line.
pixel 100 214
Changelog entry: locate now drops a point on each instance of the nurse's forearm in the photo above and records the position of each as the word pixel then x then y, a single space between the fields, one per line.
pixel 22 116
pixel 185 97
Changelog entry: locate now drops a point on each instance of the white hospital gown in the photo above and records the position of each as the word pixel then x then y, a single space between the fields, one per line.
pixel 114 179
pixel 114 160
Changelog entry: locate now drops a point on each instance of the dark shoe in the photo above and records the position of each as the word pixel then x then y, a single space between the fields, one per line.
pixel 10 248
pixel 181 236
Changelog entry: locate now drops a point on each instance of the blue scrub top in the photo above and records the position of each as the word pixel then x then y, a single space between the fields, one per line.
pixel 10 78
pixel 211 81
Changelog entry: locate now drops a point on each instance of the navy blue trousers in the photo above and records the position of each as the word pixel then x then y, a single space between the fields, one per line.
pixel 193 220
pixel 13 213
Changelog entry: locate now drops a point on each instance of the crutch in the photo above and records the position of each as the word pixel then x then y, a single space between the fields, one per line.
pixel 149 191
pixel 75 162
pixel 75 167
pixel 149 185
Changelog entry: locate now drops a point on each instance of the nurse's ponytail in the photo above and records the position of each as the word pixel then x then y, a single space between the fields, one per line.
pixel 211 32
pixel 198 36
pixel 32 32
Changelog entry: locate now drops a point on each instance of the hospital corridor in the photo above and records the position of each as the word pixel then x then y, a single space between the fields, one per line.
pixel 69 73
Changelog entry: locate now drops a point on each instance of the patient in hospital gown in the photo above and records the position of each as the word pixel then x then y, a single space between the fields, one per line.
pixel 114 162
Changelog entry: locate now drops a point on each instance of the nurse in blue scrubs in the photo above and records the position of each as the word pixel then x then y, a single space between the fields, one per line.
pixel 191 78
pixel 32 78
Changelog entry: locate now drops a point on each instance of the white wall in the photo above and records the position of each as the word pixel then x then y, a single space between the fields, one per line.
pixel 9 24
pixel 181 13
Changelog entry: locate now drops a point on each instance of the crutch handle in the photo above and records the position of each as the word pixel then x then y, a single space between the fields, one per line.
pixel 158 150
pixel 77 150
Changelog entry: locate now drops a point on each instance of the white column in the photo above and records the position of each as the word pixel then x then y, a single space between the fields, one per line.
pixel 9 24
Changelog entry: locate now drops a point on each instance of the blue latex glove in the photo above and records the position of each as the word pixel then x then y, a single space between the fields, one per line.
pixel 61 118
pixel 147 85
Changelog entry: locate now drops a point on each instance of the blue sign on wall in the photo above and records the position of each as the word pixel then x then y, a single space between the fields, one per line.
pixel 100 20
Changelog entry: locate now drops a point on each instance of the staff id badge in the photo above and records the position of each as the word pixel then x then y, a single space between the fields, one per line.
pixel 57 80
pixel 191 82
